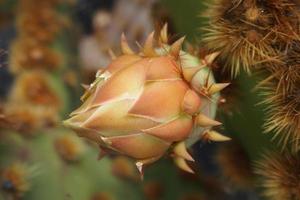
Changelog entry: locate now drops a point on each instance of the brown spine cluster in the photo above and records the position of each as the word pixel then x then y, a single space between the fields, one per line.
pixel 262 35
pixel 282 97
pixel 251 33
pixel 280 174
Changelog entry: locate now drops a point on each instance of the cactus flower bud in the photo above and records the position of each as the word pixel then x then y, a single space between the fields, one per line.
pixel 144 104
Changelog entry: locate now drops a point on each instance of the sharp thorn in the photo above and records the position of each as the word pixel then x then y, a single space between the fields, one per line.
pixel 215 136
pixel 140 168
pixel 182 164
pixel 209 59
pixel 148 49
pixel 176 48
pixel 124 45
pixel 112 54
pixel 102 153
pixel 85 86
pixel 204 121
pixel 181 151
pixel 164 34
pixel 217 87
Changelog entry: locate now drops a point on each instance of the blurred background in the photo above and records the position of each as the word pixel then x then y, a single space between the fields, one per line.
pixel 48 49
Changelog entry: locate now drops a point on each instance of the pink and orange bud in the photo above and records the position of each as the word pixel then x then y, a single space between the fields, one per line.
pixel 143 104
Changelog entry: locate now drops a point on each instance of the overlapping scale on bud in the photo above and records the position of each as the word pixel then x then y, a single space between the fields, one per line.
pixel 145 103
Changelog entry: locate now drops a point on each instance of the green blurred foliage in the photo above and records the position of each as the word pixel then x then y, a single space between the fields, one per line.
pixel 186 16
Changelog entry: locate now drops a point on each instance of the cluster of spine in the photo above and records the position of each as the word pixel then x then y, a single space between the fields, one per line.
pixel 250 33
pixel 280 175
pixel 281 94
pixel 33 102
pixel 262 36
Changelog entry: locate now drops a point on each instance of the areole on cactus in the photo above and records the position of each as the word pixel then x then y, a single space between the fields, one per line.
pixel 144 104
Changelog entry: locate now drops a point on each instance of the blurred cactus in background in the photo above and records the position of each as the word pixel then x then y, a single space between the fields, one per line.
pixel 51 48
